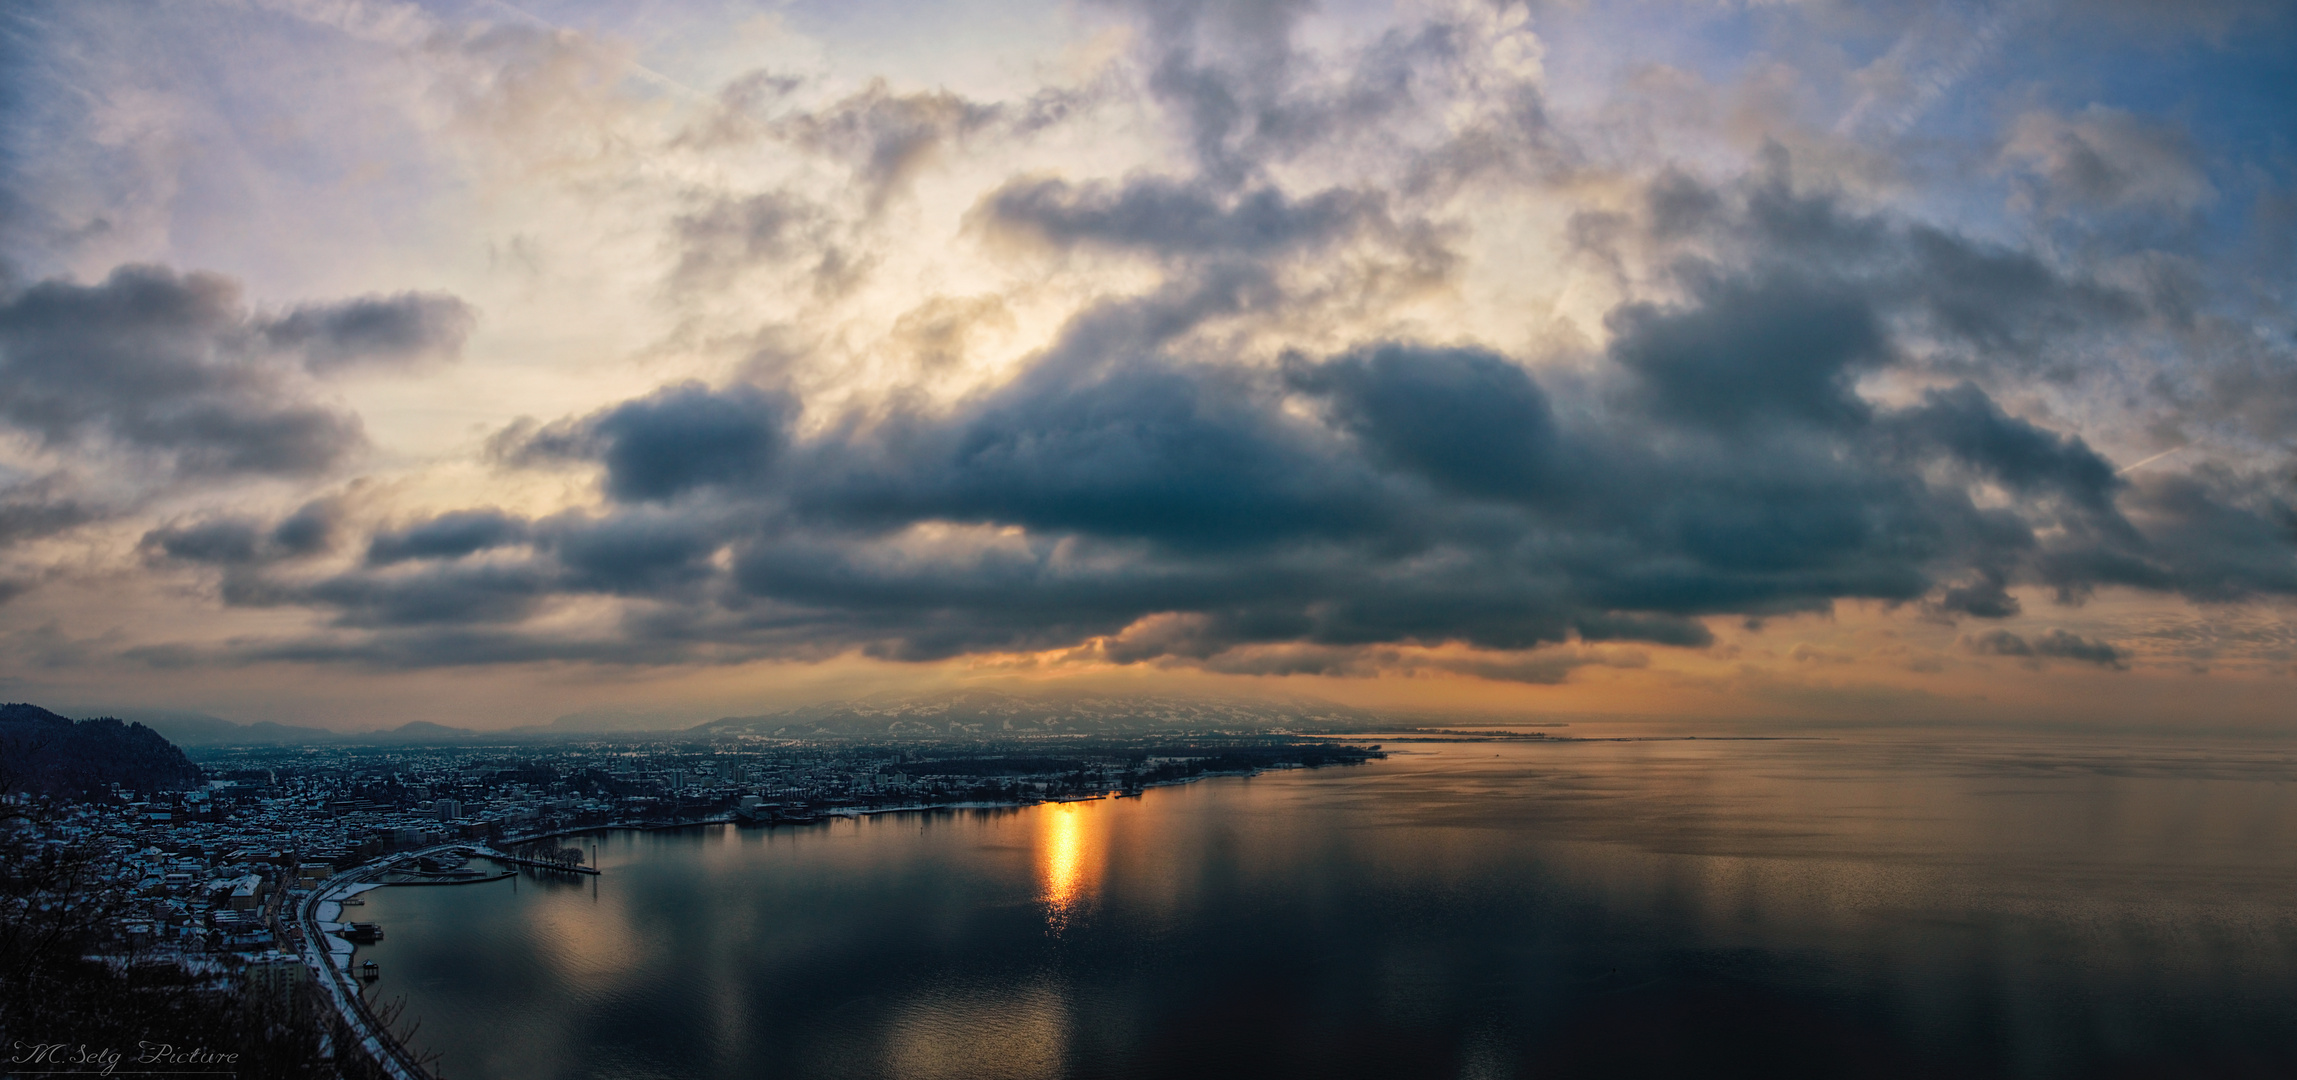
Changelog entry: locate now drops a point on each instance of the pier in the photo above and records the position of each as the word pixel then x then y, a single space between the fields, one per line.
pixel 501 857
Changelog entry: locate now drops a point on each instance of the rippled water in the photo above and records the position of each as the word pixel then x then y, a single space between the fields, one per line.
pixel 1869 906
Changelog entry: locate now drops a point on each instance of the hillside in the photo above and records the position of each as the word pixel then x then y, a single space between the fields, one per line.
pixel 48 754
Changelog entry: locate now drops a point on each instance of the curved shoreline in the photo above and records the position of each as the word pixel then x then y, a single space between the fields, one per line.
pixel 375 1038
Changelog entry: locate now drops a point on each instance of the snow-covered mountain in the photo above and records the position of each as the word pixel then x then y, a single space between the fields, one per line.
pixel 991 713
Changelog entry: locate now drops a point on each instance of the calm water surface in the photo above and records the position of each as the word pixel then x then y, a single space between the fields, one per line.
pixel 1867 906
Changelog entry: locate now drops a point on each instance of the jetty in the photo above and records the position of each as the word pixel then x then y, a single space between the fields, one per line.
pixel 505 857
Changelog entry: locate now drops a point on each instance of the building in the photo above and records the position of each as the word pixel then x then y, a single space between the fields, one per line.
pixel 246 893
pixel 273 977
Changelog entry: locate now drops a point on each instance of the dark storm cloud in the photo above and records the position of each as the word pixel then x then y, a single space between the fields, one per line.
pixel 1401 493
pixel 174 370
pixel 312 529
pixel 1871 280
pixel 1800 403
pixel 1465 420
pixel 448 594
pixel 163 364
pixel 680 438
pixel 402 329
pixel 1179 506
pixel 215 541
pixel 1187 458
pixel 2005 307
pixel 446 536
pixel 632 553
pixel 1965 423
pixel 1760 350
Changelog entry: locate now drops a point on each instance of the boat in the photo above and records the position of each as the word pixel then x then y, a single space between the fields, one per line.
pixel 363 933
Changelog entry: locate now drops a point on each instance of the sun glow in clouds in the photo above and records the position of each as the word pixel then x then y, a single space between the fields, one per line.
pixel 1550 353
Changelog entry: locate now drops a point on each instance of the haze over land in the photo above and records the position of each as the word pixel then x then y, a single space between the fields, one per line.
pixel 368 362
pixel 961 715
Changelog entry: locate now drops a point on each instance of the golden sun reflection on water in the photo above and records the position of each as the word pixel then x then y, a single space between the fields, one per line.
pixel 1071 852
pixel 583 938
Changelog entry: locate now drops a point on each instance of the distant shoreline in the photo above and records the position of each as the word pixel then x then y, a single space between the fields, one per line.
pixel 855 813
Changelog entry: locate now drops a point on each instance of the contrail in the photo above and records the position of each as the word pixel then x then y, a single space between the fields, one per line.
pixel 632 64
pixel 1980 46
pixel 2151 460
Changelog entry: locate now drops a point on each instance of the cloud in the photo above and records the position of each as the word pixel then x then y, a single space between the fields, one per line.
pixel 2104 158
pixel 215 541
pixel 44 506
pixel 403 329
pixel 1768 348
pixel 729 234
pixel 1965 423
pixel 638 554
pixel 1136 486
pixel 680 438
pixel 1984 597
pixel 1330 348
pixel 238 540
pixel 2214 534
pixel 447 536
pixel 2052 644
pixel 887 137
pixel 1161 216
pixel 938 333
pixel 1452 97
pixel 174 367
pixel 153 382
pixel 161 364
pixel 1465 420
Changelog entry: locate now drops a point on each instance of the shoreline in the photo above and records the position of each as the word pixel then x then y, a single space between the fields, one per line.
pixel 331 956
pixel 854 812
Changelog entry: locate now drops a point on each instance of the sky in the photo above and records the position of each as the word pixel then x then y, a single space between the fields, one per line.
pixel 1795 362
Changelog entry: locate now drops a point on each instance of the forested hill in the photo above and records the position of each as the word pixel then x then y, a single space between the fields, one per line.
pixel 44 753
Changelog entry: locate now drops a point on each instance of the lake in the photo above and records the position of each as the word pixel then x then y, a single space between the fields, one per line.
pixel 1868 905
